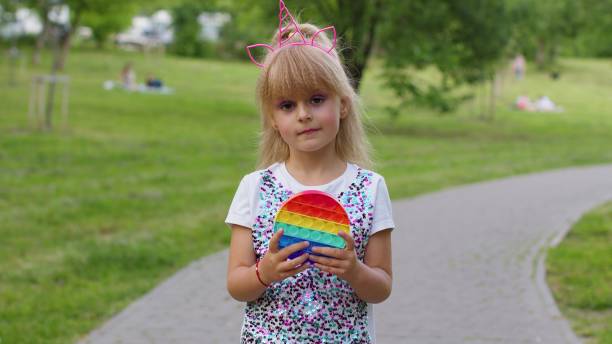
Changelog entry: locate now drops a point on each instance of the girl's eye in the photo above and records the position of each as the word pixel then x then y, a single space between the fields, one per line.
pixel 286 106
pixel 317 99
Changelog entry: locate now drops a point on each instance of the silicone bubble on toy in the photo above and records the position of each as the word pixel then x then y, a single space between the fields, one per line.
pixel 312 216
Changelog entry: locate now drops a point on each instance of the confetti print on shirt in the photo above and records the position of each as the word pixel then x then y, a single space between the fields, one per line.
pixel 313 306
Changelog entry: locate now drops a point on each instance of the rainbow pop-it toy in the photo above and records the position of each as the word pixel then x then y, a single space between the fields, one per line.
pixel 313 216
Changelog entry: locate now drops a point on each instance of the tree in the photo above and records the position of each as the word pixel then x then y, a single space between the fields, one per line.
pixel 103 25
pixel 542 27
pixel 84 10
pixel 245 27
pixel 187 30
pixel 63 35
pixel 356 23
pixel 42 7
pixel 462 40
pixel 594 38
pixel 7 10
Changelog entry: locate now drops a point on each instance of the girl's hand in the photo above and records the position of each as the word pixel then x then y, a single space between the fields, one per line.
pixel 275 267
pixel 343 262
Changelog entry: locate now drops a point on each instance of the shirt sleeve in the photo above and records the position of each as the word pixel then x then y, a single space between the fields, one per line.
pixel 383 212
pixel 240 209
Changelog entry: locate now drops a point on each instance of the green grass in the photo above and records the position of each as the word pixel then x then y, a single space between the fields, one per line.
pixel 138 185
pixel 580 277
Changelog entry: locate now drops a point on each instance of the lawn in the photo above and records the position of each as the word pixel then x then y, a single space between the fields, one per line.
pixel 580 277
pixel 94 215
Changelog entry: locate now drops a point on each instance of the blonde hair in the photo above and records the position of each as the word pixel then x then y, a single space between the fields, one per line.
pixel 301 70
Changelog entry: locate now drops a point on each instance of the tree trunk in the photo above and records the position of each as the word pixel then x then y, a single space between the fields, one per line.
pixel 40 42
pixel 12 65
pixel 541 54
pixel 60 52
pixel 65 39
pixel 493 96
pixel 42 37
pixel 362 36
pixel 483 100
pixel 55 67
pixel 64 47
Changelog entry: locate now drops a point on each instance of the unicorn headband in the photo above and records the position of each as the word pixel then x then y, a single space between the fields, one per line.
pixel 286 21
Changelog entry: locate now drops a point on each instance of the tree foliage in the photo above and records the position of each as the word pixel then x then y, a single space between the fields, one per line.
pixel 105 24
pixel 80 12
pixel 541 28
pixel 7 10
pixel 595 38
pixel 187 29
pixel 460 40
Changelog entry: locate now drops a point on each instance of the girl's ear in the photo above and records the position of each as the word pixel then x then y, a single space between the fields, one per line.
pixel 344 107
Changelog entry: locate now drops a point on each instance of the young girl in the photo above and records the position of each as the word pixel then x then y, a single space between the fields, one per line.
pixel 312 139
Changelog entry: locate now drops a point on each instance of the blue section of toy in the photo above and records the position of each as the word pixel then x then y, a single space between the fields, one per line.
pixel 287 240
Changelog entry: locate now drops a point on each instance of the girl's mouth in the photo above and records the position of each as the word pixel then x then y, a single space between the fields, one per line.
pixel 308 131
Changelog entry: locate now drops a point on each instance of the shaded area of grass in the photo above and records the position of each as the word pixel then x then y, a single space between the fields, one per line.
pixel 138 185
pixel 580 275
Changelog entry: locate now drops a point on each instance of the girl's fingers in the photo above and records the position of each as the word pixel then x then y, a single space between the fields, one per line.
pixel 291 264
pixel 274 241
pixel 330 252
pixel 326 261
pixel 297 270
pixel 328 269
pixel 350 243
pixel 289 250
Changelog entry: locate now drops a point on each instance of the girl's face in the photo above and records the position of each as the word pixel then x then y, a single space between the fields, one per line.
pixel 310 122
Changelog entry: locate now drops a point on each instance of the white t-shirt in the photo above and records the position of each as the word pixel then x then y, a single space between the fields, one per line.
pixel 243 208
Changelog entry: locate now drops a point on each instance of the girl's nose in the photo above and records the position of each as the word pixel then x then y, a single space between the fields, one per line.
pixel 303 113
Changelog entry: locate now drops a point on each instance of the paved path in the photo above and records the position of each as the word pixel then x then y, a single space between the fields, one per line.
pixel 467 261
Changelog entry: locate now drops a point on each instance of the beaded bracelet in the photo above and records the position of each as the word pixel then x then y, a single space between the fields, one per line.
pixel 259 277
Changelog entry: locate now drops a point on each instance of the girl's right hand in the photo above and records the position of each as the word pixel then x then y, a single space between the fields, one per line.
pixel 275 267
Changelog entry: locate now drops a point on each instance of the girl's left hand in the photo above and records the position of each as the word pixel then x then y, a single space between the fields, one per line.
pixel 342 262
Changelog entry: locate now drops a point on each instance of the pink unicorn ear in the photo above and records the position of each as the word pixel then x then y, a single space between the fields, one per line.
pixel 333 41
pixel 257 54
pixel 285 23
